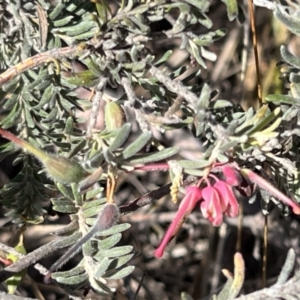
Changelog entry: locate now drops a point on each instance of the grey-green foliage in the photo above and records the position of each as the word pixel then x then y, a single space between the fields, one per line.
pixel 289 16
pixel 102 258
pixel 129 154
pixel 290 102
pixel 31 191
pixel 37 102
pixel 42 102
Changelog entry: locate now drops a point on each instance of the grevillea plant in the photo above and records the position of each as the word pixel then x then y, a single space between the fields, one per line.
pixel 217 197
pixel 54 52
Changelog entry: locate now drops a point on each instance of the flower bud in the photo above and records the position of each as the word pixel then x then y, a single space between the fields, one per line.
pixel 114 116
pixel 63 169
pixel 228 200
pixel 192 196
pixel 59 168
pixel 232 176
pixel 211 206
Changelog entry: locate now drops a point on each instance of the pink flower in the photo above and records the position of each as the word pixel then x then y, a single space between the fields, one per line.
pixel 228 198
pixel 192 196
pixel 218 198
pixel 232 176
pixel 271 189
pixel 213 206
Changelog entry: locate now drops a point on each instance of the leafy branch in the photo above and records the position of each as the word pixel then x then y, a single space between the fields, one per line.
pixel 242 151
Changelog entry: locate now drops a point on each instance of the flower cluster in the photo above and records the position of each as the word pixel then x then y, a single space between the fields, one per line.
pixel 219 198
pixel 215 200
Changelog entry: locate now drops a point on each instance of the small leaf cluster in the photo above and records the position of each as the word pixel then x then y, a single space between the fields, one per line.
pixel 125 158
pixel 289 104
pixel 102 259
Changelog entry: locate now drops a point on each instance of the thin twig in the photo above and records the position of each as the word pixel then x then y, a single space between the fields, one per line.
pixel 96 105
pixel 254 39
pixel 40 59
pixel 152 196
pixel 176 87
pixel 36 255
pixel 13 251
pixel 265 254
pixel 129 92
pixel 174 107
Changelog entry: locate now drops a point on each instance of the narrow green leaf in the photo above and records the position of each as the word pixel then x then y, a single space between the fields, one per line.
pixel 142 26
pixel 91 212
pixel 77 29
pixel 56 11
pixel 195 172
pixel 46 97
pixel 92 65
pixel 113 230
pixel 42 77
pixel 203 19
pixel 232 9
pixel 85 78
pixel 201 5
pixel 121 137
pixel 52 116
pixel 121 273
pixel 193 164
pixel 266 120
pixel 158 156
pixel 96 160
pixel 11 85
pixel 79 269
pixel 65 190
pixel 291 21
pixel 114 252
pixel 282 99
pixel 219 104
pixel 290 113
pixel 29 120
pixel 164 58
pixel 222 158
pixel 11 101
pixel 208 54
pixel 109 242
pixel 62 22
pixel 69 125
pixel 137 145
pixel 64 208
pixel 100 287
pixel 102 267
pixel 289 58
pixel 94 203
pixel 124 260
pixel 204 98
pixel 93 193
pixel 72 280
pixel 12 118
pixel 195 51
pixel 79 147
